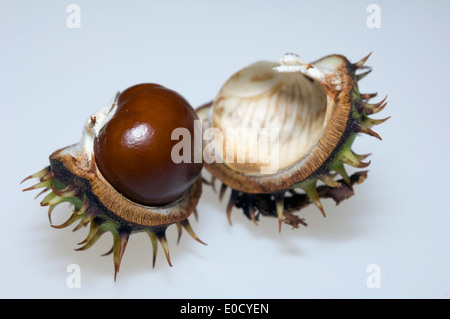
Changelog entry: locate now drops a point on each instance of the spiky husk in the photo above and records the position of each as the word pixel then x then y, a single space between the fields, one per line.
pixel 65 187
pixel 283 203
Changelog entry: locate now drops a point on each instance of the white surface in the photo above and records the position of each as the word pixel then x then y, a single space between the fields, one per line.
pixel 53 77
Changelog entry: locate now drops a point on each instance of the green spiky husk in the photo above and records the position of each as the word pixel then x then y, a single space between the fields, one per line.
pixel 65 187
pixel 283 203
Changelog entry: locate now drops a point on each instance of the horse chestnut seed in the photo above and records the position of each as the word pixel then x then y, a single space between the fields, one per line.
pixel 133 150
pixel 121 178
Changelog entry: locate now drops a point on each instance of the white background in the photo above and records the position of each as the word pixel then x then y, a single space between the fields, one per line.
pixel 53 77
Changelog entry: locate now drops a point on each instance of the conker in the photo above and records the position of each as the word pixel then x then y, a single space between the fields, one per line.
pixel 120 177
pixel 133 150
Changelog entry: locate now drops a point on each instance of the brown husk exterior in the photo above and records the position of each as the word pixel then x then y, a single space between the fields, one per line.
pixel 65 167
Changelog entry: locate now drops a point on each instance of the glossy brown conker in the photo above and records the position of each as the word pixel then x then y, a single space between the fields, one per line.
pixel 133 151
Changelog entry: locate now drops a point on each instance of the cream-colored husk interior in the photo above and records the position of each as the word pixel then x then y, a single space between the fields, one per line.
pixel 267 120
